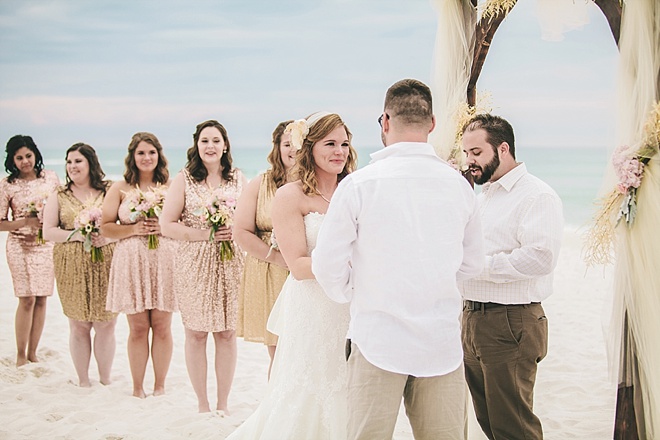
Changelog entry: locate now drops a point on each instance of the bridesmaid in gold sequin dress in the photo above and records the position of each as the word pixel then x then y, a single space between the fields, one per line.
pixel 30 262
pixel 206 288
pixel 82 285
pixel 141 279
pixel 265 270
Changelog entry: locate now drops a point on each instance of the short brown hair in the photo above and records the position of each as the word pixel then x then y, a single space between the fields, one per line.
pixel 497 130
pixel 411 101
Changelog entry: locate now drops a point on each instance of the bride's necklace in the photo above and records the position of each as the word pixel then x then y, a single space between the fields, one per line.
pixel 322 196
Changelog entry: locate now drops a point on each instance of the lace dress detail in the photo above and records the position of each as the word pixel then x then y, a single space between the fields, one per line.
pixel 30 264
pixel 261 282
pixel 306 396
pixel 206 288
pixel 141 279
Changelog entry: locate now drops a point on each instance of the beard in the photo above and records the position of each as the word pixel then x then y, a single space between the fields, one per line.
pixel 487 171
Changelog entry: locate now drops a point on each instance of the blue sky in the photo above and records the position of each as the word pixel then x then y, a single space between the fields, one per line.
pixel 98 71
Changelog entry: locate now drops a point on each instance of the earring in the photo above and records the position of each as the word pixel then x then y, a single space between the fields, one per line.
pixel 224 151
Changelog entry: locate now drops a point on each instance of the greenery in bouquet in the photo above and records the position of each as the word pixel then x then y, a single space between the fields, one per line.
pixel 218 211
pixel 88 222
pixel 147 204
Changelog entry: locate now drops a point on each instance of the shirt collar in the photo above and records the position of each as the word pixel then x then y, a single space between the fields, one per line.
pixel 508 180
pixel 404 149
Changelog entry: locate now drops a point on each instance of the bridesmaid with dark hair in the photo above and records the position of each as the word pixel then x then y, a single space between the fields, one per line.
pixel 141 278
pixel 206 279
pixel 82 284
pixel 29 258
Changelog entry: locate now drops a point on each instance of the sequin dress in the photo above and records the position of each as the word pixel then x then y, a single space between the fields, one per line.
pixel 141 279
pixel 206 288
pixel 261 281
pixel 82 285
pixel 30 264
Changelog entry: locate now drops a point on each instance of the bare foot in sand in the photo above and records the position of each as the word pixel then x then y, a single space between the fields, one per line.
pixel 159 392
pixel 139 393
pixel 21 360
pixel 32 357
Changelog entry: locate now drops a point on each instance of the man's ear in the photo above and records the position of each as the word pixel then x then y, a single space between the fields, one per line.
pixel 432 123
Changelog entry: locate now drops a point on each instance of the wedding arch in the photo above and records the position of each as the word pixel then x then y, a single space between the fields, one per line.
pixel 624 231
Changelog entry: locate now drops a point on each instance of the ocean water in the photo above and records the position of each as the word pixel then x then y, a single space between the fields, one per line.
pixel 576 173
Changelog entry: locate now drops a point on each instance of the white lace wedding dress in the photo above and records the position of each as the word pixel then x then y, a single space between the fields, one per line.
pixel 306 395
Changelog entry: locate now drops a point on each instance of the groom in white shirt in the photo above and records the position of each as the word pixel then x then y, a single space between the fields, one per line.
pixel 397 236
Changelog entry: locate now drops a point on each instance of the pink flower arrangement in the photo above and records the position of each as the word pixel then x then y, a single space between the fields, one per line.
pixel 629 170
pixel 88 222
pixel 217 211
pixel 35 207
pixel 147 204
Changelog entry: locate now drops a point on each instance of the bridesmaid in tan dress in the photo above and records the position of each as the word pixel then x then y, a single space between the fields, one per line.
pixel 265 270
pixel 30 261
pixel 141 279
pixel 206 288
pixel 82 284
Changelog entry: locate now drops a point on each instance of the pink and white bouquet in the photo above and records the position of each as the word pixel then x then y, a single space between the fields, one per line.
pixel 35 207
pixel 217 211
pixel 88 222
pixel 629 170
pixel 147 204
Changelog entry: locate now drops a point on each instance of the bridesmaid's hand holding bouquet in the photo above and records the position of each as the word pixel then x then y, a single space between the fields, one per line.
pixel 218 211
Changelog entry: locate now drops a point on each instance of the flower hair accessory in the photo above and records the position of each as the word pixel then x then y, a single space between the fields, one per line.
pixel 299 129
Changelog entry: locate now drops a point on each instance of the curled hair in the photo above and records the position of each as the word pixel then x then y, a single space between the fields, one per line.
pixel 278 171
pixel 196 167
pixel 96 173
pixel 497 130
pixel 411 101
pixel 13 145
pixel 132 173
pixel 305 167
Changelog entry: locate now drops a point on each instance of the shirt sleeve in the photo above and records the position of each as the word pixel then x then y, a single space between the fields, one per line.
pixel 539 235
pixel 473 248
pixel 331 259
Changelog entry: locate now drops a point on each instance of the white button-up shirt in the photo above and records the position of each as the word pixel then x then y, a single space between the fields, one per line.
pixel 523 224
pixel 397 235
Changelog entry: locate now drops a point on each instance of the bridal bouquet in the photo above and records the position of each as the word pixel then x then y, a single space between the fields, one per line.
pixel 87 222
pixel 35 207
pixel 218 211
pixel 148 204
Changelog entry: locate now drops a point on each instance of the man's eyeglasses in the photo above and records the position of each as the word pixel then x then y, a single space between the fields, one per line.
pixel 380 119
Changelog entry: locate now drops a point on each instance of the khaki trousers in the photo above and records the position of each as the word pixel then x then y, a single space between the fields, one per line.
pixel 436 406
pixel 502 346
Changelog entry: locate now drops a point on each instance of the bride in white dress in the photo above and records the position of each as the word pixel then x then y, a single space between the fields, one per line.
pixel 306 395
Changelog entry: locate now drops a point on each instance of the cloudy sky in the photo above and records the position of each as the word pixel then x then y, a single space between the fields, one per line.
pixel 98 71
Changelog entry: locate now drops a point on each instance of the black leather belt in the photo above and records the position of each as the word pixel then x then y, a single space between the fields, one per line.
pixel 471 306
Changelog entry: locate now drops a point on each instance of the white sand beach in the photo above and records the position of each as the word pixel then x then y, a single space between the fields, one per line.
pixel 573 398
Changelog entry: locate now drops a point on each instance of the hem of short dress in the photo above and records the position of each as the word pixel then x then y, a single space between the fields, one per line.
pixel 32 295
pixel 136 311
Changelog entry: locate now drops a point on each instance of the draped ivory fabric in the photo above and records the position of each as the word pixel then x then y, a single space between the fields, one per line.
pixel 633 347
pixel 452 62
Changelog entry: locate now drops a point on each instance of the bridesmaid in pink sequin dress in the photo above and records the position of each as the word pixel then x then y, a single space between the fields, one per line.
pixel 30 260
pixel 141 279
pixel 206 287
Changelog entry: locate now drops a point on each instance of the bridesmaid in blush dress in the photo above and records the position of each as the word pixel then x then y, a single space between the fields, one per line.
pixel 141 279
pixel 30 259
pixel 82 284
pixel 205 283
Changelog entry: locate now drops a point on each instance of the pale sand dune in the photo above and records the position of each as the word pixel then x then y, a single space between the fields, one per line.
pixel 573 396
